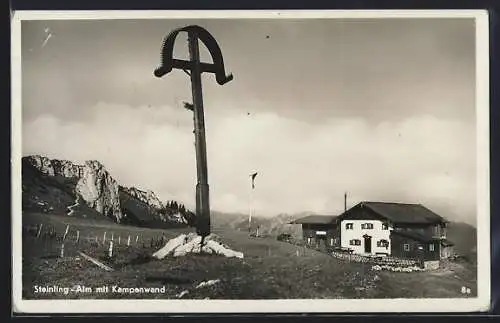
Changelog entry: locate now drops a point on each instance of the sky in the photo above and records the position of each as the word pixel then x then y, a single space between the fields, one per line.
pixel 382 109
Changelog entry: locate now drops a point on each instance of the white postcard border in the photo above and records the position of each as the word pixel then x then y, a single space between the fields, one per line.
pixel 480 303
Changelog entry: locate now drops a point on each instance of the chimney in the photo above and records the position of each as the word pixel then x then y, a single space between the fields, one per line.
pixel 345 201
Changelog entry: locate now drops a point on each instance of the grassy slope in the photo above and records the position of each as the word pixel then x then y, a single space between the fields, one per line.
pixel 270 269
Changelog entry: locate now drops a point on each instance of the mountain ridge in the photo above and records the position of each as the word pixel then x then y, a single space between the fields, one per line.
pixel 61 186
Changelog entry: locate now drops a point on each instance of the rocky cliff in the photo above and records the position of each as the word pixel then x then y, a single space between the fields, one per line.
pixel 55 167
pixel 145 209
pixel 148 197
pixel 99 190
pixel 61 186
pixel 93 183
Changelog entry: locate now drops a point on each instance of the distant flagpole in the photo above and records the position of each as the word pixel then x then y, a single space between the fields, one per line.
pixel 251 211
pixel 252 189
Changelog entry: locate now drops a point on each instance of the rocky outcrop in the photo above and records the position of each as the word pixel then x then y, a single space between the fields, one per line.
pixel 145 207
pixel 55 167
pixel 99 190
pixel 66 168
pixel 177 217
pixel 43 164
pixel 93 187
pixel 148 197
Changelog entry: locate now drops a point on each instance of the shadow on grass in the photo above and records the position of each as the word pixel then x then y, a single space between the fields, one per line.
pixel 166 280
pixel 141 259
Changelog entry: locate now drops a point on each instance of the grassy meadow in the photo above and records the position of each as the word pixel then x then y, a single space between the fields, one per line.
pixel 270 269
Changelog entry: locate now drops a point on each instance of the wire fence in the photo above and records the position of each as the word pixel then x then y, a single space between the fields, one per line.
pixel 50 241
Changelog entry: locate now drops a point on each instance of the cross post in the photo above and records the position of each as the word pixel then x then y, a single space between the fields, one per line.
pixel 194 68
pixel 202 188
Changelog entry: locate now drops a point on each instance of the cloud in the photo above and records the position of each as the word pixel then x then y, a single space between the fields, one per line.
pixel 302 166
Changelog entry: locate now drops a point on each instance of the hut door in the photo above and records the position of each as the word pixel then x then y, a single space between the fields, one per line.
pixel 368 244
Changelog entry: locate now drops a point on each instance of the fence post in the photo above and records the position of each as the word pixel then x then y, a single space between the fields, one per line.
pixel 39 230
pixel 77 235
pixel 104 238
pixel 136 239
pixel 110 251
pixel 128 241
pixel 119 240
pixel 112 236
pixel 66 232
pixel 62 250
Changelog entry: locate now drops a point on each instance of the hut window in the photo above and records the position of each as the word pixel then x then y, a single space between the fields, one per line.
pixel 406 247
pixel 431 247
pixel 382 243
pixel 367 226
pixel 349 226
pixel 355 242
pixel 385 226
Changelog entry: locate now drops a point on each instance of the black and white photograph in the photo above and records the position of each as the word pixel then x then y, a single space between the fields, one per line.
pixel 250 161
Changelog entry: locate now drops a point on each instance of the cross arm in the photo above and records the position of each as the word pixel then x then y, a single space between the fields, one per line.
pixel 168 62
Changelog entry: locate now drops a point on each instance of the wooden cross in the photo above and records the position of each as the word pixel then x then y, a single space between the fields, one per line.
pixel 194 68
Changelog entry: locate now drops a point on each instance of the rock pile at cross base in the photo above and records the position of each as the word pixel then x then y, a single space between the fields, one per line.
pixel 191 243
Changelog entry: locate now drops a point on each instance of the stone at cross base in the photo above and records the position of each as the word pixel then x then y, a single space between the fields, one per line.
pixel 191 244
